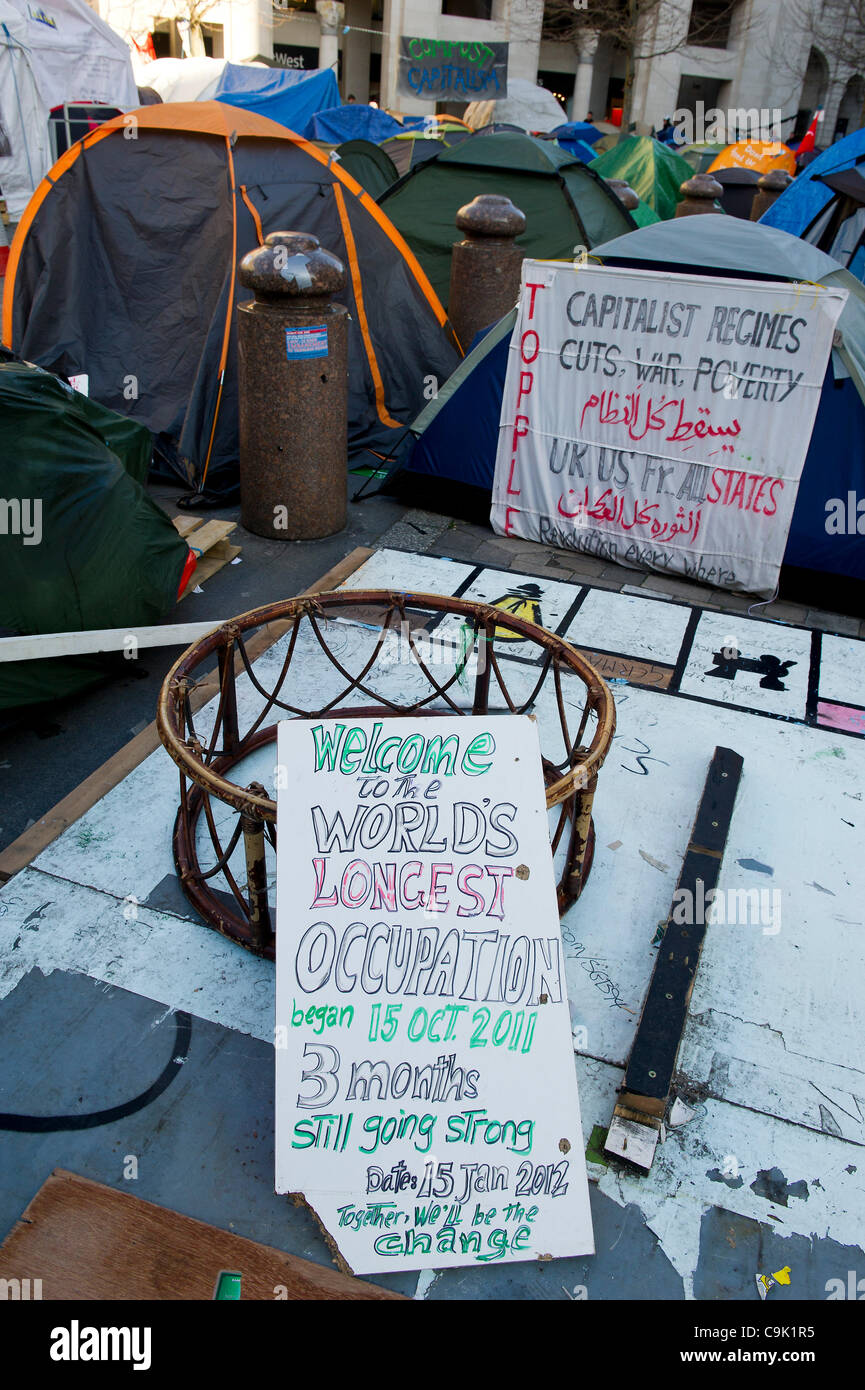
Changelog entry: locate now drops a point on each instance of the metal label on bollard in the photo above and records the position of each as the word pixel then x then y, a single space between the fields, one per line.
pixel 306 342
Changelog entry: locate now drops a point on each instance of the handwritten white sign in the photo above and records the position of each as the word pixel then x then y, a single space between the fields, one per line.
pixel 426 1097
pixel 661 421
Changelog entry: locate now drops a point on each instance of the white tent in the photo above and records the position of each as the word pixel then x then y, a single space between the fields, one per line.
pixel 51 52
pixel 186 79
pixel 527 105
pixel 180 79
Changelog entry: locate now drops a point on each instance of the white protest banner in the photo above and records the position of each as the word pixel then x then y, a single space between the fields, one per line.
pixel 426 1095
pixel 661 421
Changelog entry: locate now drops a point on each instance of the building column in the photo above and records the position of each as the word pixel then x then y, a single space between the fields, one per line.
pixel 390 30
pixel 331 14
pixel 355 50
pixel 835 90
pixel 581 101
pixel 522 21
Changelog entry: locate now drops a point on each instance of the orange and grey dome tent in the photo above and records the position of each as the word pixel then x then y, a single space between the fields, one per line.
pixel 124 267
pixel 761 155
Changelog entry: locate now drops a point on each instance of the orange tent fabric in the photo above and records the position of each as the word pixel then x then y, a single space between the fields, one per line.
pixel 761 155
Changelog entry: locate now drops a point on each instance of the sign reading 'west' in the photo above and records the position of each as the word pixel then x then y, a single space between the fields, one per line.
pixel 661 421
pixel 438 70
pixel 426 1098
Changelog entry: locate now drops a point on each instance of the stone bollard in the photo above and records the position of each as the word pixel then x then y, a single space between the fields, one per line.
pixel 769 187
pixel 485 267
pixel 292 347
pixel 699 195
pixel 624 192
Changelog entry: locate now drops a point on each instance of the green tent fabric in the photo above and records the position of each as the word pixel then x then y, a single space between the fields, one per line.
pixel 643 215
pixel 415 147
pixel 654 172
pixel 565 203
pixel 88 548
pixel 374 170
pixel 701 154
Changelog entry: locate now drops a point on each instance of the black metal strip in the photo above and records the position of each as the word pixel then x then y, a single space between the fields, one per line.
pixel 814 677
pixel 656 1045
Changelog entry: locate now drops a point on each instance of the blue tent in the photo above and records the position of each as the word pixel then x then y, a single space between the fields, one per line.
pixel 352 122
pixel 577 137
pixel 289 96
pixel 456 435
pixel 826 210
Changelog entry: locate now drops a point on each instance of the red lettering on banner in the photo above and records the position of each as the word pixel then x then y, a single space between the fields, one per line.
pixel 512 491
pixel 508 511
pixel 730 488
pixel 534 289
pixel 526 390
pixel 518 433
pixel 777 482
pixel 529 333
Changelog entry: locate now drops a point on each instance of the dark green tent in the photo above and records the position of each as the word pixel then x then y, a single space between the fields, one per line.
pixel 701 155
pixel 416 147
pixel 369 164
pixel 565 203
pixel 652 169
pixel 84 546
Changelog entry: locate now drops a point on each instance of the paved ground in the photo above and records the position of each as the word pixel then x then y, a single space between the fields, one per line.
pixel 763 1177
pixel 48 750
pixel 433 534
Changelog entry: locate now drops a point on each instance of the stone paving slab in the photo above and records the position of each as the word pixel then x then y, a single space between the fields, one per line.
pixel 468 541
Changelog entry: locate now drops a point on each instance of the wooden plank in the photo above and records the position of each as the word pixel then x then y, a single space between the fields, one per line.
pixel 48 827
pixel 107 639
pixel 652 1063
pixel 184 525
pixel 90 1242
pixel 209 534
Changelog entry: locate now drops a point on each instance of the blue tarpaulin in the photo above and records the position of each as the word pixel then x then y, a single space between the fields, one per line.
pixel 356 122
pixel 292 98
pixel 577 130
pixel 799 204
pixel 577 137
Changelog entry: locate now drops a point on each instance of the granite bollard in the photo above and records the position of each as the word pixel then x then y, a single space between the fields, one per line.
pixel 292 345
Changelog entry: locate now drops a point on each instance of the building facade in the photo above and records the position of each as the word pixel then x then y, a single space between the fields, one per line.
pixel 749 55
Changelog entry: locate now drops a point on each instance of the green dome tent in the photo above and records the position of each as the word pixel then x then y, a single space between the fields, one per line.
pixel 92 549
pixel 654 172
pixel 701 154
pixel 368 164
pixel 566 204
pixel 415 147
